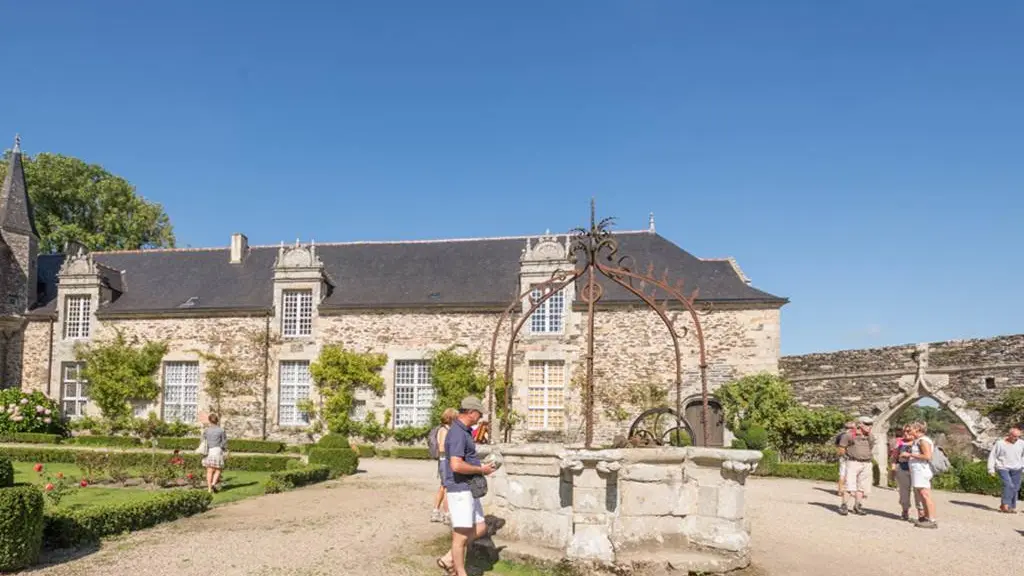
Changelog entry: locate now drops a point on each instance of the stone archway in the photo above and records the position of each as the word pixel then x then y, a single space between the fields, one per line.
pixel 919 385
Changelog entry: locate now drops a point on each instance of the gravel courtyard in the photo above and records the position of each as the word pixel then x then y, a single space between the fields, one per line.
pixel 375 523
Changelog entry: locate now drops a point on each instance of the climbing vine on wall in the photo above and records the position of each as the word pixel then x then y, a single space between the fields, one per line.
pixel 120 371
pixel 338 373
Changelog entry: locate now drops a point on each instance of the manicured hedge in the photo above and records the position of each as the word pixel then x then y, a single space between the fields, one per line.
pixel 107 441
pixel 367 450
pixel 342 462
pixel 255 446
pixel 169 443
pixel 334 441
pixel 31 438
pixel 411 452
pixel 246 462
pixel 21 526
pixel 825 471
pixel 6 472
pixel 68 528
pixel 281 481
pixel 239 445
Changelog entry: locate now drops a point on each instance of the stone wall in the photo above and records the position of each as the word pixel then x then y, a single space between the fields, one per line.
pixel 633 509
pixel 633 349
pixel 977 371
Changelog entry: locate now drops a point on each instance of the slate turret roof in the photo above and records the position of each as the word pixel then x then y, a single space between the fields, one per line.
pixel 475 273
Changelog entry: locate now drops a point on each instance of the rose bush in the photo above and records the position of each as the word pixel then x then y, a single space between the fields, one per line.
pixel 29 412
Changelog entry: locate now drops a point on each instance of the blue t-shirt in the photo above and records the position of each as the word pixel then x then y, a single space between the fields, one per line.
pixel 459 443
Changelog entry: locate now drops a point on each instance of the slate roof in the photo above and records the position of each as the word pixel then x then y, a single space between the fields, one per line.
pixel 15 207
pixel 445 273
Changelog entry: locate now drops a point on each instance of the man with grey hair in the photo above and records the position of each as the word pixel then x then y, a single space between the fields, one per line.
pixel 464 471
pixel 857 446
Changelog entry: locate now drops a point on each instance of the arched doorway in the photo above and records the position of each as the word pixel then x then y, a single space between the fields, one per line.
pixel 716 421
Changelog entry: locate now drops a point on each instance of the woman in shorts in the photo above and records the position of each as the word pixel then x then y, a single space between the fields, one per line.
pixel 440 512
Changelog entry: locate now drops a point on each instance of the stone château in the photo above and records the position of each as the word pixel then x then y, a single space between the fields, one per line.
pixel 270 310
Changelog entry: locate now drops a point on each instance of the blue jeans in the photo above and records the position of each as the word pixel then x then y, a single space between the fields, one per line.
pixel 1011 487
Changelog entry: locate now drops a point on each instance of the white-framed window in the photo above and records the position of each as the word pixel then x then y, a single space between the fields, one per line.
pixel 414 393
pixel 181 392
pixel 76 316
pixel 295 386
pixel 358 411
pixel 297 313
pixel 74 391
pixel 545 407
pixel 549 317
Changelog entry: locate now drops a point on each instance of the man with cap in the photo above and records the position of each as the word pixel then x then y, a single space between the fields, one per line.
pixel 466 512
pixel 857 448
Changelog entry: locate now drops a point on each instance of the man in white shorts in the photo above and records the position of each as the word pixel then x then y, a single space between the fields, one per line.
pixel 856 446
pixel 466 511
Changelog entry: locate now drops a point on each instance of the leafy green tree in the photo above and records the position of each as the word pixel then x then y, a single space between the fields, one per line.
pixel 760 399
pixel 338 373
pixel 937 419
pixel 74 200
pixel 121 371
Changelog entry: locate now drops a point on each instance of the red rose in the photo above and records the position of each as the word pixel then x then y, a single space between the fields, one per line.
pixel 190 476
pixel 83 483
pixel 38 467
pixel 49 487
pixel 60 475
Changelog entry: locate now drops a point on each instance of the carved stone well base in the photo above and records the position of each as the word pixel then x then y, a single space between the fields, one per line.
pixel 639 509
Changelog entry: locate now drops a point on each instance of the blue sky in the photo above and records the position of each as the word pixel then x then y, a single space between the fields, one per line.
pixel 864 159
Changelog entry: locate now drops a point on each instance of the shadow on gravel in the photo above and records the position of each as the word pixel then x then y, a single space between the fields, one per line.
pixel 834 508
pixel 55 557
pixel 827 491
pixel 973 505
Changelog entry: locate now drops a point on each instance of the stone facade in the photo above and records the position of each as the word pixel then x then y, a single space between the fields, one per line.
pixel 965 376
pixel 633 509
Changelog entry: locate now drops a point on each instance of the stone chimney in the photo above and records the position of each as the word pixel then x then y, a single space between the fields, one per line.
pixel 239 247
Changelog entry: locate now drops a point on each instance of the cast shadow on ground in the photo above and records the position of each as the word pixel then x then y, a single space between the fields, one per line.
pixel 1021 532
pixel 485 553
pixel 56 557
pixel 985 507
pixel 229 486
pixel 828 491
pixel 834 508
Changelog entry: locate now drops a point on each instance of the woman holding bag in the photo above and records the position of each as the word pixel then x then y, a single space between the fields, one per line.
pixel 215 442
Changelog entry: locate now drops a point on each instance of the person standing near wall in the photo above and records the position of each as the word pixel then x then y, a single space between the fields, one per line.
pixel 856 446
pixel 1007 461
pixel 848 428
pixel 901 470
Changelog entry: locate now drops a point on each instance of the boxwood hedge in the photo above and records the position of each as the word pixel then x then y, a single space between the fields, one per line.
pixel 31 438
pixel 107 441
pixel 66 528
pixel 21 526
pixel 6 472
pixel 341 461
pixel 140 458
pixel 411 452
pixel 281 481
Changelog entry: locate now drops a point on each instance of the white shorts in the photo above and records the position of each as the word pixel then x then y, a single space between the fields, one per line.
pixel 921 477
pixel 842 469
pixel 465 511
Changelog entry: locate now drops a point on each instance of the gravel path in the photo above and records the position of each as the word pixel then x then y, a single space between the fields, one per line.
pixel 375 523
pixel 372 523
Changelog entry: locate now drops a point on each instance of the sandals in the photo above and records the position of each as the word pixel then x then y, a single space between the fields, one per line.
pixel 449 570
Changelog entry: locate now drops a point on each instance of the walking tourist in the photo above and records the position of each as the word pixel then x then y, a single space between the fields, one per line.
pixel 440 513
pixel 1007 460
pixel 855 446
pixel 901 470
pixel 849 427
pixel 216 443
pixel 466 483
pixel 919 457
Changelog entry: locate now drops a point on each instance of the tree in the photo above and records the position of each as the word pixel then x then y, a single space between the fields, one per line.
pixel 338 373
pixel 120 371
pixel 73 200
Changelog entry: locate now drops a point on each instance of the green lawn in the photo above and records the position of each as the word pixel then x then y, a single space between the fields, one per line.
pixel 235 485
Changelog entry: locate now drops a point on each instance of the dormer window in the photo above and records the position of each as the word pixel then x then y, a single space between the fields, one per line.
pixel 549 317
pixel 77 310
pixel 297 313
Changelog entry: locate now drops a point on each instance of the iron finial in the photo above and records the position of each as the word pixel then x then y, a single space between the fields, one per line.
pixel 17 143
pixel 650 224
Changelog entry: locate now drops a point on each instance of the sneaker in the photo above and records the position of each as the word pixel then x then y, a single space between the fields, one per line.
pixel 927 523
pixel 859 510
pixel 435 516
pixel 843 510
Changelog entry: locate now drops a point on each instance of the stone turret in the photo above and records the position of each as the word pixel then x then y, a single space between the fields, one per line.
pixel 19 235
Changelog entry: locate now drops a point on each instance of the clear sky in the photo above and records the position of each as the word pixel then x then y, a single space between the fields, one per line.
pixel 864 159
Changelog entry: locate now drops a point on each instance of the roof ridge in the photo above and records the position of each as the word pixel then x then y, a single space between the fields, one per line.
pixel 348 243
